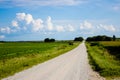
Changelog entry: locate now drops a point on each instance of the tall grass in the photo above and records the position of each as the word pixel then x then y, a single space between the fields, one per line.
pixel 102 61
pixel 15 57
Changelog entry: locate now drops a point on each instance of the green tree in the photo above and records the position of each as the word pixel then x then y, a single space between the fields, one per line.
pixel 78 39
pixel 52 40
pixel 114 38
pixel 46 40
pixel 49 40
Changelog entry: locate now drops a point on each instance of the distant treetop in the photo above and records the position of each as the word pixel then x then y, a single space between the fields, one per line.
pixel 78 39
pixel 49 40
pixel 114 38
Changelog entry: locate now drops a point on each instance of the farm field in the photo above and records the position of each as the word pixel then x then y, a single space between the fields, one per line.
pixel 17 56
pixel 105 58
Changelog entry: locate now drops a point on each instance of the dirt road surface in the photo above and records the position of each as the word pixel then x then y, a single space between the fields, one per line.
pixel 72 65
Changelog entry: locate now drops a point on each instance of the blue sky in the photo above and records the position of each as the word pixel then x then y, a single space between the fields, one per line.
pixel 59 19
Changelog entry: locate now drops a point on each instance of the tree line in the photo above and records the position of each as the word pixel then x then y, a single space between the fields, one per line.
pixel 94 38
pixel 101 38
pixel 53 40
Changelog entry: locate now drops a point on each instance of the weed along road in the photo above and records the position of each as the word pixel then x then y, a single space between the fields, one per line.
pixel 72 65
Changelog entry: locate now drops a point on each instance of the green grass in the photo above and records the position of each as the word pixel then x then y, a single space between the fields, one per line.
pixel 102 60
pixel 17 56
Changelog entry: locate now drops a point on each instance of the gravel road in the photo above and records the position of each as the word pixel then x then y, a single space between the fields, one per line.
pixel 72 65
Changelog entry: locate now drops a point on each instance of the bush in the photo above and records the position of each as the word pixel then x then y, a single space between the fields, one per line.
pixel 70 43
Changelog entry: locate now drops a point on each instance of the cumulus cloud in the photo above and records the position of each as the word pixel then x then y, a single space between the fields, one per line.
pixel 15 24
pixel 71 28
pixel 37 25
pixel 20 16
pixel 28 18
pixel 24 20
pixel 49 23
pixel 108 27
pixel 86 25
pixel 2 36
pixel 5 30
pixel 60 28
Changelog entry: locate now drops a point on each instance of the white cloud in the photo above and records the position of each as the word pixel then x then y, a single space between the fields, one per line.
pixel 37 25
pixel 20 16
pixel 28 18
pixel 25 28
pixel 108 27
pixel 5 30
pixel 49 23
pixel 15 24
pixel 2 36
pixel 81 26
pixel 86 25
pixel 60 28
pixel 71 28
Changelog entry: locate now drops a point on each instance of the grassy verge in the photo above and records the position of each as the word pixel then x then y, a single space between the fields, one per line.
pixel 15 57
pixel 102 61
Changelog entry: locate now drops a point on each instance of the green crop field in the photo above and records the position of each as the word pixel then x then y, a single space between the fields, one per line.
pixel 17 56
pixel 110 43
pixel 105 58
